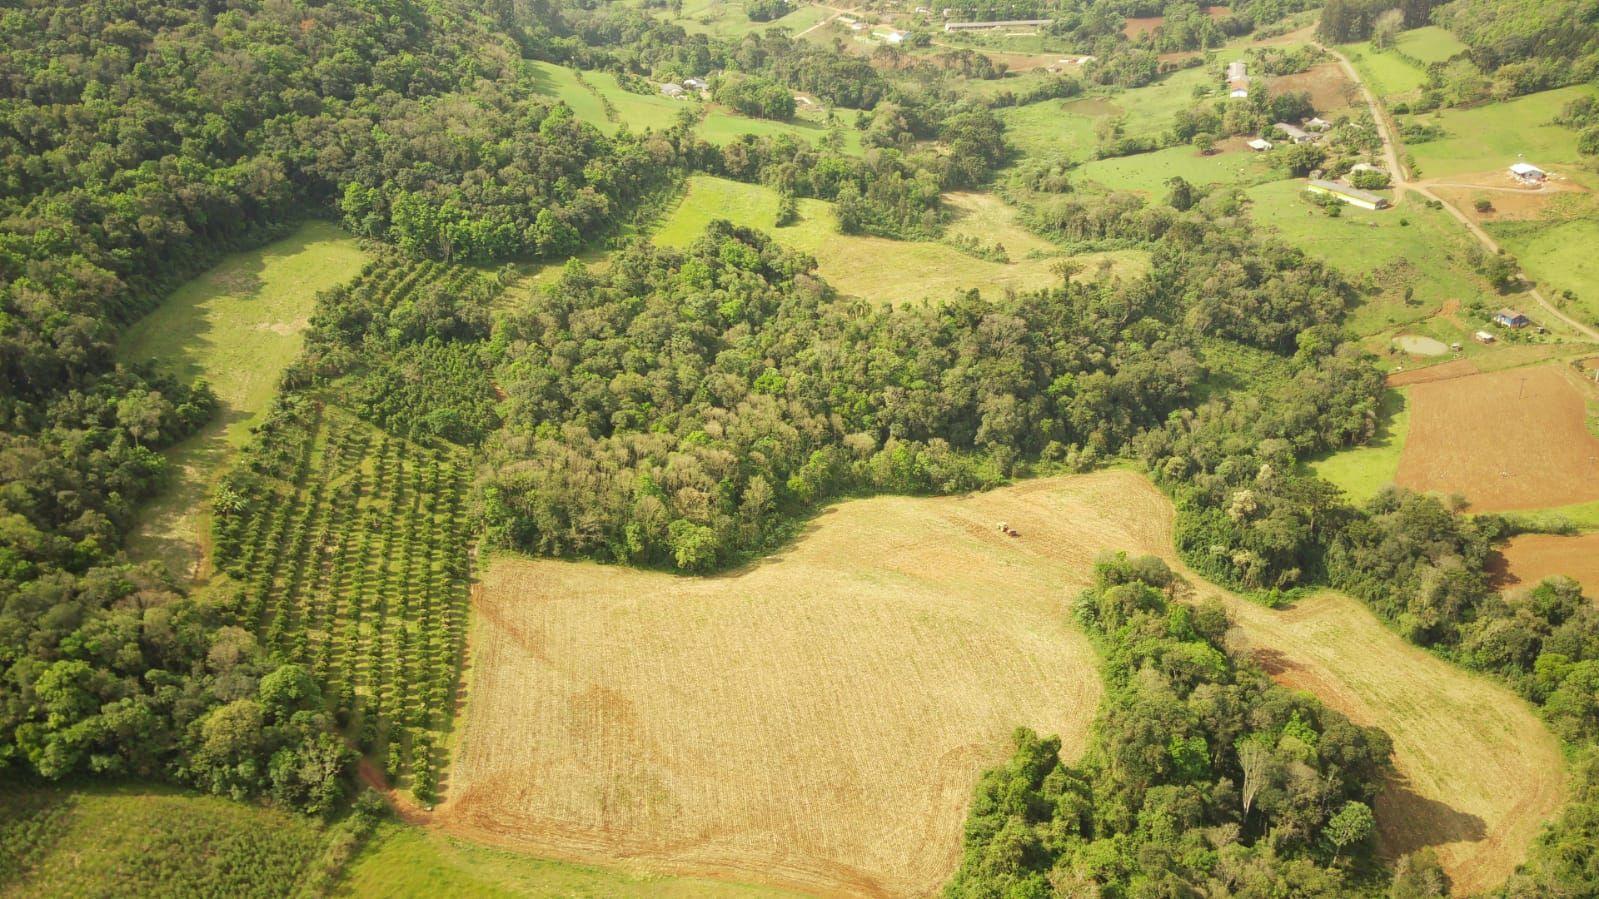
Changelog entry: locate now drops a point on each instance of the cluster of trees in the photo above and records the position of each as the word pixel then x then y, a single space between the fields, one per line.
pixel 1582 114
pixel 684 409
pixel 766 10
pixel 1343 21
pixel 1202 776
pixel 758 97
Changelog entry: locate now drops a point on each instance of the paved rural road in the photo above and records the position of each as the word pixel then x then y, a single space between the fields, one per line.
pixel 1390 151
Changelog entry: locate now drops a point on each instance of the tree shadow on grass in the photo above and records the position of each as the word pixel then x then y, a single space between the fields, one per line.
pixel 1408 821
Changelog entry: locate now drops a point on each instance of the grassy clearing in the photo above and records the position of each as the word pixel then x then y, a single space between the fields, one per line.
pixel 1388 74
pixel 403 861
pixel 1149 172
pixel 1494 135
pixel 889 270
pixel 1050 130
pixel 724 18
pixel 1410 246
pixel 1559 255
pixel 1430 44
pixel 238 326
pixel 147 841
pixel 1364 470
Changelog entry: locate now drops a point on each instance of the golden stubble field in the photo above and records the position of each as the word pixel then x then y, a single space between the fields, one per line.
pixel 819 719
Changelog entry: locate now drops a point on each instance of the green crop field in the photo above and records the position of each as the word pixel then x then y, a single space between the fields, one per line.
pixel 100 840
pixel 885 270
pixel 1560 256
pixel 1364 470
pixel 238 326
pixel 1430 44
pixel 1149 172
pixel 1492 136
pixel 1408 246
pixel 405 861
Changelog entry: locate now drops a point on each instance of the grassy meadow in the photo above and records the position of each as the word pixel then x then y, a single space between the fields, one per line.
pixel 98 840
pixel 1559 255
pixel 1388 74
pixel 238 326
pixel 1429 44
pixel 883 270
pixel 1410 246
pixel 1149 172
pixel 401 861
pixel 1364 470
pixel 1492 136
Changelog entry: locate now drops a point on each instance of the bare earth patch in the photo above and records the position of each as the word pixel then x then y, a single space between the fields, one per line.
pixel 1513 439
pixel 819 719
pixel 1447 371
pixel 1530 558
pixel 1329 88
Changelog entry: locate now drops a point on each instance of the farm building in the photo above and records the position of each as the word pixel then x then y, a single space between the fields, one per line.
pixel 1484 337
pixel 894 36
pixel 1317 124
pixel 1238 88
pixel 1237 70
pixel 1527 173
pixel 1511 318
pixel 986 26
pixel 1260 143
pixel 673 90
pixel 693 84
pixel 1295 133
pixel 1354 196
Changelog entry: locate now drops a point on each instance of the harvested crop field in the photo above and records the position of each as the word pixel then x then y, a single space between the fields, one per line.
pixel 1505 440
pixel 819 719
pixel 1329 88
pixel 1529 558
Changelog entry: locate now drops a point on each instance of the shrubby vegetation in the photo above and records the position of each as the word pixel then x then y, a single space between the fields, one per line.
pixel 1202 777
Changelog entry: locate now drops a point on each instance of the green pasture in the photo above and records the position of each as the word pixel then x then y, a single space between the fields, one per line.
pixel 1492 136
pixel 1049 129
pixel 238 326
pixel 1429 44
pixel 402 861
pixel 891 271
pixel 1149 172
pixel 1384 71
pixel 723 18
pixel 1386 251
pixel 1561 256
pixel 1362 471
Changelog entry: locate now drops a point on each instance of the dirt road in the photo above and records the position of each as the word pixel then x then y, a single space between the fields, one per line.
pixel 1401 184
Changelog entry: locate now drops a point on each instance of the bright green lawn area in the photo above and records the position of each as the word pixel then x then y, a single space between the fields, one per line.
pixel 1429 44
pixel 1064 129
pixel 1408 246
pixel 1149 172
pixel 722 126
pixel 883 270
pixel 1492 136
pixel 561 82
pixel 1385 72
pixel 404 861
pixel 1364 470
pixel 147 841
pixel 1561 255
pixel 238 326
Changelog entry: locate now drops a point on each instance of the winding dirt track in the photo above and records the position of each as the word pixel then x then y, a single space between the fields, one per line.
pixel 818 720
